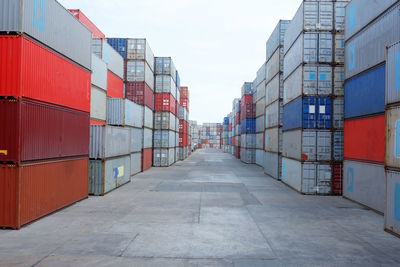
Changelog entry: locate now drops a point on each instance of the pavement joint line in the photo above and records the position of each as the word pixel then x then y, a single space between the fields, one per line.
pixel 130 242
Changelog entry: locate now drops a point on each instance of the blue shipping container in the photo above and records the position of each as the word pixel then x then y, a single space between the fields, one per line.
pixel 226 120
pixel 119 44
pixel 248 126
pixel 308 113
pixel 365 94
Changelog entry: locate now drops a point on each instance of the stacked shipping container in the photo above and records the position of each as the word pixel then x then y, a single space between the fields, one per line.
pixel 184 126
pixel 248 126
pixel 44 111
pixel 236 128
pixel 210 135
pixel 259 100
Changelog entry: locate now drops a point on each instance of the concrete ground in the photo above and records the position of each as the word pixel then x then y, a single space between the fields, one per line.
pixel 210 210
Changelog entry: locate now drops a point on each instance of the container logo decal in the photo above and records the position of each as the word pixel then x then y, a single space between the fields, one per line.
pixel 398 71
pixel 283 170
pixel 342 76
pixel 352 57
pixel 397 140
pixel 350 180
pixel 397 202
pixel 352 17
pixel 313 76
pixel 322 76
pixel 118 172
pixel 39 14
pixel 5 152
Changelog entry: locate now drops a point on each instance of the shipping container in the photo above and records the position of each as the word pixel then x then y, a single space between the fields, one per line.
pixel 47 83
pixel 32 191
pixel 99 72
pixel 338 80
pixel 260 141
pixel 364 183
pixel 122 112
pixel 51 24
pixel 165 102
pixel 272 165
pixel 183 114
pixel 393 74
pixel 274 65
pixel 136 142
pixel 114 61
pixel 247 89
pixel 393 137
pixel 248 140
pixel 248 155
pixel 147 159
pixel 165 84
pixel 109 141
pixel 260 157
pixel 147 138
pixel 274 90
pixel 148 120
pixel 108 174
pixel 119 45
pixel 307 145
pixel 136 163
pixel 338 145
pixel 139 71
pixel 392 209
pixel 115 86
pixel 274 115
pixel 164 157
pixel 260 108
pixel 183 127
pixel 139 93
pixel 364 139
pixel 277 38
pixel 164 121
pixel 35 131
pixel 337 179
pixel 273 140
pixel 164 139
pixel 139 49
pixel 98 104
pixel 248 126
pixel 260 124
pixel 165 66
pixel 338 113
pixel 96 32
pixel 365 94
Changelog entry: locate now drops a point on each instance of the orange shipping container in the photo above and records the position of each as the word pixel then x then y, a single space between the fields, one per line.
pixel 32 191
pixel 147 159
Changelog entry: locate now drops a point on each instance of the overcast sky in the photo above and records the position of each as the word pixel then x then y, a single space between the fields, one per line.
pixel 216 45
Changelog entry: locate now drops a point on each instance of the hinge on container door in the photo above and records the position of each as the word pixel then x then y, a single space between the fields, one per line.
pixel 5 152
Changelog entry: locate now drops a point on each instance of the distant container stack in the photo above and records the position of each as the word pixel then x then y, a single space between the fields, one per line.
pixel 44 110
pixel 313 98
pixel 236 128
pixel 226 143
pixel 139 65
pixel 210 135
pixel 371 26
pixel 194 135
pixel 260 102
pixel 183 146
pixel 248 124
pixel 274 101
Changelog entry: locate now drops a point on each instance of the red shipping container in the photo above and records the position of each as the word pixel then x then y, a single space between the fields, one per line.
pixel 32 191
pixel 200 146
pixel 364 139
pixel 337 179
pixel 34 131
pixel 183 140
pixel 184 103
pixel 183 126
pixel 96 33
pixel 147 158
pixel 140 93
pixel 184 91
pixel 31 71
pixel 248 111
pixel 211 145
pixel 208 129
pixel 233 141
pixel 165 102
pixel 230 127
pixel 246 99
pixel 94 122
pixel 115 86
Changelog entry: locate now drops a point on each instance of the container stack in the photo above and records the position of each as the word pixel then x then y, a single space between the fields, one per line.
pixel 274 101
pixel 166 106
pixel 184 128
pixel 260 101
pixel 313 103
pixel 139 86
pixel 44 110
pixel 210 135
pixel 248 124
pixel 236 127
pixel 194 135
pixel 370 27
pixel 225 135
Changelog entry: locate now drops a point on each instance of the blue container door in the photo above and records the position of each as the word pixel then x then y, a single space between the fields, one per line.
pixel 324 113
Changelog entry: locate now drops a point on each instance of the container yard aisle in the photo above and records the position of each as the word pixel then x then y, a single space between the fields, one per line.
pixel 209 210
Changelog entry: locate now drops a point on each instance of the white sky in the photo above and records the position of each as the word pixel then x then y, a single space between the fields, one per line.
pixel 216 45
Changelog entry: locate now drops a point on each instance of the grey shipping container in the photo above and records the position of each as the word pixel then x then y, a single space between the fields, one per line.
pixel 339 48
pixel 260 124
pixel 106 175
pixel 248 155
pixel 98 104
pixel 260 107
pixel 260 91
pixel 165 84
pixel 183 114
pixel 164 66
pixel 260 140
pixel 307 178
pixel 163 157
pixel 164 139
pixel 164 121
pixel 51 24
pixel 311 16
pixel 338 145
pixel 340 12
pixel 365 184
pixel 260 157
pixel 392 155
pixel 147 138
pixel 124 112
pixel 139 71
pixel 139 49
pixel 372 41
pixel 114 61
pixel 338 113
pixel 274 89
pixel 148 118
pixel 277 37
pixel 393 74
pixel 308 80
pixel 274 115
pixel 338 86
pixel 136 140
pixel 109 141
pixel 136 163
pixel 392 209
pixel 272 165
pixel 99 72
pixel 275 64
pixel 307 145
pixel 359 13
pixel 248 140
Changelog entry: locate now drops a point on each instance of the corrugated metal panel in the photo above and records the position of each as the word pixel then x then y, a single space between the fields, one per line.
pixel 338 112
pixel 98 104
pixel 359 13
pixel 260 157
pixel 136 140
pixel 248 155
pixel 364 139
pixel 148 118
pixel 273 115
pixel 260 92
pixel 367 48
pixel 339 48
pixel 123 112
pixel 50 23
pixel 273 164
pixel 106 175
pixel 340 13
pixel 164 157
pixel 99 72
pixel 277 37
pixel 338 145
pixel 34 131
pixel 172 155
pixel 393 137
pixel 274 65
pixel 248 140
pixel 164 121
pixel 35 72
pixel 109 141
pixel 164 139
pixel 260 141
pixel 393 74
pixel 165 84
pixel 32 191
pixel 274 89
pixel 164 66
pixel 136 163
pixel 115 86
pixel 273 140
pixel 260 124
pixel 338 81
pixel 139 49
pixel 147 138
pixel 260 107
pixel 365 184
pixel 96 32
pixel 392 210
pixel 139 93
pixel 147 158
pixel 139 71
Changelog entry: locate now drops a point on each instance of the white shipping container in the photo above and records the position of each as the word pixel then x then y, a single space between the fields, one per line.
pixel 148 118
pixel 274 89
pixel 147 138
pixel 274 115
pixel 139 71
pixel 99 72
pixel 275 64
pixel 98 104
pixel 272 165
pixel 139 49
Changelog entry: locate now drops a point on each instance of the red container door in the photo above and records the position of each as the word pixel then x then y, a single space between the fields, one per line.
pixel 364 139
pixel 34 72
pixel 139 93
pixel 115 86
